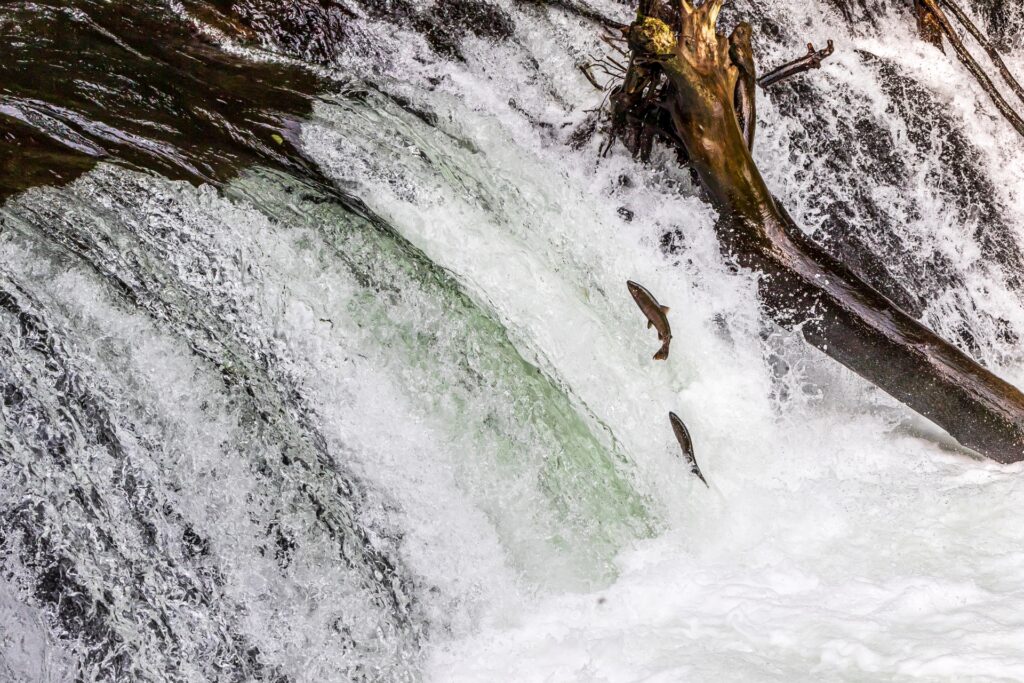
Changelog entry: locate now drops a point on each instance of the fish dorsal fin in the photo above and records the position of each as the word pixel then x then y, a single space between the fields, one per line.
pixel 665 309
pixel 650 324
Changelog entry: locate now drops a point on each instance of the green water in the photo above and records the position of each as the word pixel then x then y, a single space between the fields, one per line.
pixel 530 455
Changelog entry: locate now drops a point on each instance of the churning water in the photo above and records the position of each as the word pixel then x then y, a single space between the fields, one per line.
pixel 411 429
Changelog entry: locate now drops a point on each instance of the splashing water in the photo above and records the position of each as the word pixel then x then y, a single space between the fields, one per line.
pixel 409 427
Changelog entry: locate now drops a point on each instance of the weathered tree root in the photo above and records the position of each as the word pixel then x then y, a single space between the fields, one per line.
pixel 928 25
pixel 812 60
pixel 802 287
pixel 741 53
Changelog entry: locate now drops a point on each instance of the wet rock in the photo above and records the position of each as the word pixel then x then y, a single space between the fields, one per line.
pixel 148 90
pixel 322 30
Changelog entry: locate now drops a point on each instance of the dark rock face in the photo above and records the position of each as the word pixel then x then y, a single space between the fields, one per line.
pixel 445 25
pixel 308 29
pixel 153 91
pixel 29 527
pixel 866 235
pixel 1003 20
pixel 864 196
pixel 958 177
pixel 319 30
pixel 138 85
pixel 860 11
pixel 147 89
pixel 854 227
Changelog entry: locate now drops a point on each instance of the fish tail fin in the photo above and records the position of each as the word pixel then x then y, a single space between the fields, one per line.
pixel 696 470
pixel 662 353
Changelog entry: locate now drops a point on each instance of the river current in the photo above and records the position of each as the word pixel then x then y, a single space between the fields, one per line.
pixel 393 415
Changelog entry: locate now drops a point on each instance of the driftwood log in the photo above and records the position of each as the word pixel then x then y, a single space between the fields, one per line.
pixel 681 70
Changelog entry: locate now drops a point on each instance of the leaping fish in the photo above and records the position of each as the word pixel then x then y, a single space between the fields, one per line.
pixel 656 316
pixel 686 443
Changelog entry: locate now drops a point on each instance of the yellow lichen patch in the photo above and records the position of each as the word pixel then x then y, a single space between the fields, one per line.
pixel 653 36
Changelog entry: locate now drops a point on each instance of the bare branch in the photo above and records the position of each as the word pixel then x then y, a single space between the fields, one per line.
pixel 972 65
pixel 585 69
pixel 812 60
pixel 987 45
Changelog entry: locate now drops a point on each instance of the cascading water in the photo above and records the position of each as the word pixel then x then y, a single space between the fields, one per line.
pixel 400 421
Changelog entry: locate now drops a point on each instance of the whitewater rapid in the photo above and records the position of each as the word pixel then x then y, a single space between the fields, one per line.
pixel 841 539
pixel 421 435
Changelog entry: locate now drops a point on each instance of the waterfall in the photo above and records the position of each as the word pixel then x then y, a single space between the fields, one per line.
pixel 382 408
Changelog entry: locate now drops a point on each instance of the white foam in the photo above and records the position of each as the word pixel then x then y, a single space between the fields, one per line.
pixel 843 538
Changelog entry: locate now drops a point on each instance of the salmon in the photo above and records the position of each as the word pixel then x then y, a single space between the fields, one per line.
pixel 686 443
pixel 656 316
